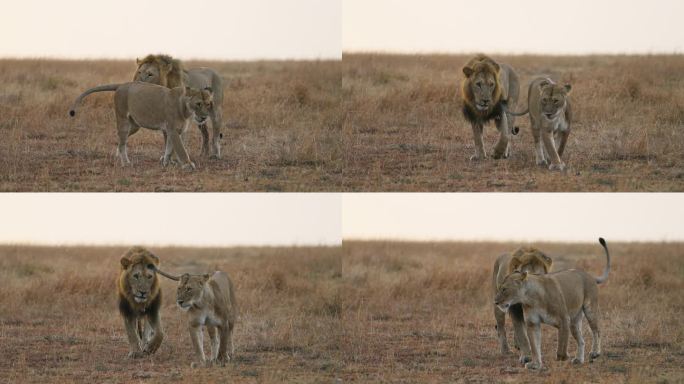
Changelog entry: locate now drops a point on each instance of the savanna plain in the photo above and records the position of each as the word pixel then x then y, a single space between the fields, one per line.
pixel 60 323
pixel 423 312
pixel 404 130
pixel 282 127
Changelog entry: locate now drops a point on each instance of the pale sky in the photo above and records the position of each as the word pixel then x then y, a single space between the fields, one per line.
pixel 568 217
pixel 201 219
pixel 504 26
pixel 210 29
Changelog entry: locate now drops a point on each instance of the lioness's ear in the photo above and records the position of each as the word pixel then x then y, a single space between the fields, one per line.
pixel 205 277
pixel 544 83
pixel 125 262
pixel 567 88
pixel 467 71
pixel 524 276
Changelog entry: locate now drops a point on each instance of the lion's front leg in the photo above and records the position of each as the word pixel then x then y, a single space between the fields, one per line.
pixel 550 145
pixel 197 338
pixel 131 325
pixel 155 341
pixel 480 153
pixel 502 148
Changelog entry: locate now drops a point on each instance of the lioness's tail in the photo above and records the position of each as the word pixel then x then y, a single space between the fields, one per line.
pixel 604 277
pixel 101 88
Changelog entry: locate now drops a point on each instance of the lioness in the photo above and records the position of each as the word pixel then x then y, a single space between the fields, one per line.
pixel 155 107
pixel 487 90
pixel 209 301
pixel 557 299
pixel 168 72
pixel 524 259
pixel 550 117
pixel 140 300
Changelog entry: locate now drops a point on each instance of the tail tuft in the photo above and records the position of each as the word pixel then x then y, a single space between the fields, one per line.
pixel 515 130
pixel 72 113
pixel 601 239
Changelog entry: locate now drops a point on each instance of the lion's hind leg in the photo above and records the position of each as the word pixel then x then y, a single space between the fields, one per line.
pixel 214 341
pixel 576 330
pixel 591 311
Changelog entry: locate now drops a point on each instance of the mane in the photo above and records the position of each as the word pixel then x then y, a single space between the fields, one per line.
pixel 479 64
pixel 168 78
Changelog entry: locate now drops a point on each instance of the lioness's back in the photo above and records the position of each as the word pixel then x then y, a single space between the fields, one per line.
pixel 224 291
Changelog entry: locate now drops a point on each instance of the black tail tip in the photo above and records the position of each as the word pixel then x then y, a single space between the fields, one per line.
pixel 602 241
pixel 516 130
pixel 72 113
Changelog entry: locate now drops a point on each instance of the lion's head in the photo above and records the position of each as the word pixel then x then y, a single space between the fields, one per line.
pixel 508 292
pixel 553 98
pixel 531 260
pixel 190 290
pixel 137 280
pixel 162 70
pixel 200 102
pixel 482 86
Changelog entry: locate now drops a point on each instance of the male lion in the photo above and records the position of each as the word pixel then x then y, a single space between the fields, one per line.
pixel 558 299
pixel 209 301
pixel 168 72
pixel 155 107
pixel 524 259
pixel 487 90
pixel 140 300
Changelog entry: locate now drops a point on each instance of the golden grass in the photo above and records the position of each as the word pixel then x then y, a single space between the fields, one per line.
pixel 404 130
pixel 422 312
pixel 282 130
pixel 59 320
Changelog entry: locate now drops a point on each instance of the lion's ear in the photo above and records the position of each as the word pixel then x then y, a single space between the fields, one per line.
pixel 467 71
pixel 546 261
pixel 154 258
pixel 524 276
pixel 125 262
pixel 567 88
pixel 496 66
pixel 166 67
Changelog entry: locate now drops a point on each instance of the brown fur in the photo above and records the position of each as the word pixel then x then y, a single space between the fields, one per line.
pixel 487 90
pixel 528 259
pixel 141 318
pixel 170 70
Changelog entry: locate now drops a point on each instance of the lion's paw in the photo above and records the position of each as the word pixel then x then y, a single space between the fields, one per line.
pixel 532 366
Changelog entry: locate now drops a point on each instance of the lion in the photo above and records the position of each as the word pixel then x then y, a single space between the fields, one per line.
pixel 168 72
pixel 524 259
pixel 155 107
pixel 558 299
pixel 140 301
pixel 487 90
pixel 208 301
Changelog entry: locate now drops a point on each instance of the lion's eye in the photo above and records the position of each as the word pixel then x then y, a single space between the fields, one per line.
pixel 479 84
pixel 187 289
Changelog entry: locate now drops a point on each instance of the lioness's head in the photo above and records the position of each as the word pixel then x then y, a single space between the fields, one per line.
pixel 482 86
pixel 509 291
pixel 531 260
pixel 139 278
pixel 190 290
pixel 553 99
pixel 199 102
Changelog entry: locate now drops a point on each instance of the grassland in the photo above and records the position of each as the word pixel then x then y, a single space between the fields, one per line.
pixel 282 130
pixel 422 312
pixel 59 320
pixel 404 131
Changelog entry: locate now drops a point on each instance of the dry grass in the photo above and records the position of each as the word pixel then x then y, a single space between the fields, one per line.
pixel 59 320
pixel 404 130
pixel 282 130
pixel 422 312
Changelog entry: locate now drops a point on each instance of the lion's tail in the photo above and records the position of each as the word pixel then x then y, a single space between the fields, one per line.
pixel 604 277
pixel 101 88
pixel 515 130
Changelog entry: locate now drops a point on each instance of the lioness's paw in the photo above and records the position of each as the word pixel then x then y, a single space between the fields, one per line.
pixel 577 361
pixel 561 357
pixel 593 356
pixel 557 167
pixel 532 366
pixel 136 354
pixel 524 359
pixel 189 166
